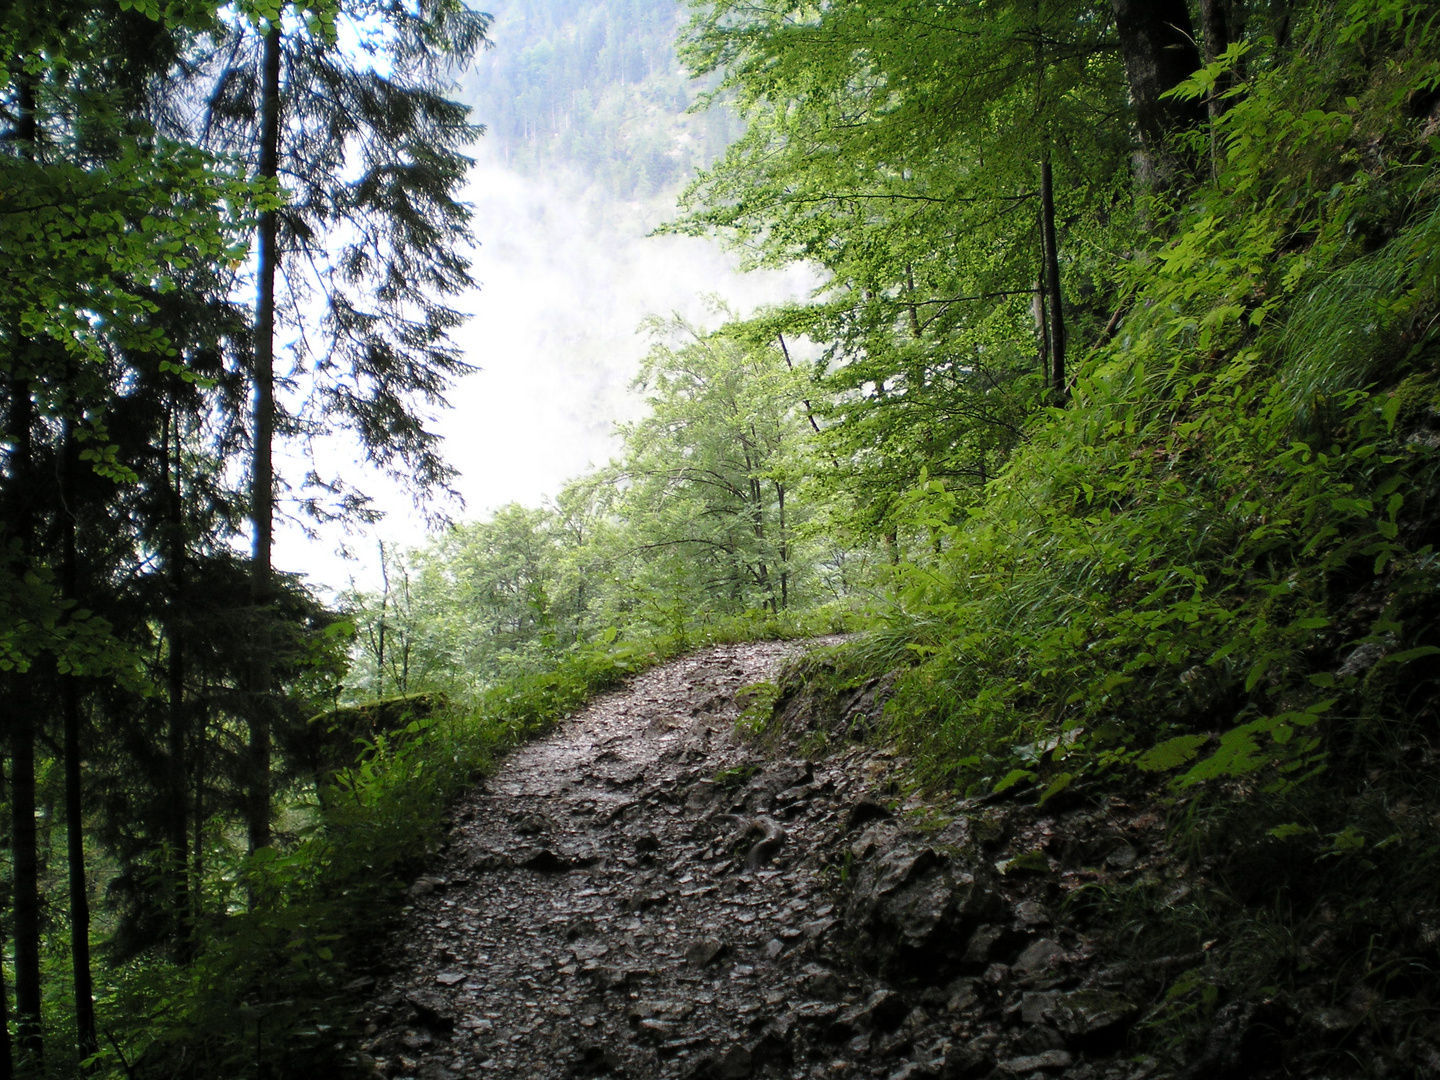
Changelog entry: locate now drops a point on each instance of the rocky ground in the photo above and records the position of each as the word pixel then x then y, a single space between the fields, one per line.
pixel 642 894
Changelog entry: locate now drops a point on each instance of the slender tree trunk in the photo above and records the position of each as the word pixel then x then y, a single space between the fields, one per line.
pixel 26 872
pixel 1037 311
pixel 18 526
pixel 86 1041
pixel 177 812
pixel 1059 389
pixel 379 635
pixel 784 546
pixel 197 854
pixel 1219 26
pixel 22 706
pixel 262 492
pixel 913 310
pixel 7 1054
pixel 1050 307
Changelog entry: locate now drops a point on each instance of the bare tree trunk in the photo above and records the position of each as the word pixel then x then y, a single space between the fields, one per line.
pixel 1051 307
pixel 379 634
pixel 1158 43
pixel 784 547
pixel 178 795
pixel 197 853
pixel 1059 388
pixel 7 1054
pixel 86 1041
pixel 1219 27
pixel 18 524
pixel 1038 312
pixel 21 708
pixel 913 310
pixel 809 411
pixel 262 493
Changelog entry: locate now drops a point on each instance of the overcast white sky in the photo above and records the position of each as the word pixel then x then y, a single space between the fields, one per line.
pixel 566 278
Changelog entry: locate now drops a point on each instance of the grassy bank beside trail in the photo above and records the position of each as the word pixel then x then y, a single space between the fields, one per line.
pixel 271 987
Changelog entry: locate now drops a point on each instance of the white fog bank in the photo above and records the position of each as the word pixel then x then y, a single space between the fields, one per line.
pixel 566 277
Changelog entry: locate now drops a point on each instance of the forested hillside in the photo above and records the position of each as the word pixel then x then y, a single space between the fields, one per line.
pixel 595 88
pixel 1111 436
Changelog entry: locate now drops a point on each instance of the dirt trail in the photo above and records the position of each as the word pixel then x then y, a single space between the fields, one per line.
pixel 607 907
pixel 641 895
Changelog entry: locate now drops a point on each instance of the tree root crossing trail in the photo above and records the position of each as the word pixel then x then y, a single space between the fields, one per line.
pixel 629 895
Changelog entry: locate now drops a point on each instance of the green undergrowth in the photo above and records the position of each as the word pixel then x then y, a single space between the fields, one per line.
pixel 1211 578
pixel 1218 559
pixel 289 934
pixel 291 927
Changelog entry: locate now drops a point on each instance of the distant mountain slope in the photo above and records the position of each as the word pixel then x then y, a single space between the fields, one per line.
pixel 594 87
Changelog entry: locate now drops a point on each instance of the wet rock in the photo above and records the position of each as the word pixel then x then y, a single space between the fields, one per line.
pixel 533 825
pixel 770 838
pixel 657 1029
pixel 821 983
pixel 772 1048
pixel 1245 1038
pixel 884 1010
pixel 983 944
pixel 816 1016
pixel 965 1062
pixel 1122 858
pixel 1030 914
pixel 705 952
pixel 1085 1017
pixel 594 1059
pixel 431 1011
pixel 912 914
pixel 671 957
pixel 546 861
pixel 964 995
pixel 917 1070
pixel 734 1063
pixel 1037 957
pixel 1049 1061
pixel 645 901
pixel 1038 1038
pixel 864 812
pixel 610 977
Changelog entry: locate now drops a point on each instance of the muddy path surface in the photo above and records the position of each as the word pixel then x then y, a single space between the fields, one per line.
pixel 642 894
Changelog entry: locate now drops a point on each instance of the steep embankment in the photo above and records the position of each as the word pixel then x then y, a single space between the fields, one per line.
pixel 642 894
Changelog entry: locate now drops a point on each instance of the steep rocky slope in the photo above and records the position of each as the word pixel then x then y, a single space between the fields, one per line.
pixel 643 894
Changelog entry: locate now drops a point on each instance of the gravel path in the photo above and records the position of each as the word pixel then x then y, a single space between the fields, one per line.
pixel 641 895
pixel 635 894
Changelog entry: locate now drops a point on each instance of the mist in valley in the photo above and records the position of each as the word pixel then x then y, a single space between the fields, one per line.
pixel 588 145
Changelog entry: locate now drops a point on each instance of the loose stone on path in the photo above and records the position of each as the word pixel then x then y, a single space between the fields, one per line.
pixel 608 906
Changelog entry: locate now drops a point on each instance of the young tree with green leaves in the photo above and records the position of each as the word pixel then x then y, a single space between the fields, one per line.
pixel 97 217
pixel 706 489
pixel 962 174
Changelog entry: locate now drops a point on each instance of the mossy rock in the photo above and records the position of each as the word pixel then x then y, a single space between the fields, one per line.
pixel 337 738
